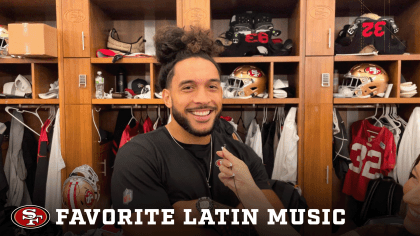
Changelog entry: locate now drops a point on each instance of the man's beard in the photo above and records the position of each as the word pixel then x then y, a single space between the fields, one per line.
pixel 184 122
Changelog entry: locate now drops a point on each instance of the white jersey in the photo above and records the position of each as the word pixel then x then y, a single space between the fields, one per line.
pixel 253 138
pixel 53 197
pixel 409 148
pixel 285 160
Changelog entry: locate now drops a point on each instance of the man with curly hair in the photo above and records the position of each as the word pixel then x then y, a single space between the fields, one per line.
pixel 183 165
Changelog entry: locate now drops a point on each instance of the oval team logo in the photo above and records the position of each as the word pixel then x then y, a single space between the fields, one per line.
pixel 254 73
pixel 30 217
pixel 373 70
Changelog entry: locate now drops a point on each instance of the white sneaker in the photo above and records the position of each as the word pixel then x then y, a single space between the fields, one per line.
pixel 52 92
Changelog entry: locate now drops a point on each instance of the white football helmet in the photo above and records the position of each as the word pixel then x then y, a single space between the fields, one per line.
pixel 4 41
pixel 80 190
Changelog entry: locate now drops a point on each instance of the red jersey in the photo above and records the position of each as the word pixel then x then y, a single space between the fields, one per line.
pixel 129 133
pixel 371 155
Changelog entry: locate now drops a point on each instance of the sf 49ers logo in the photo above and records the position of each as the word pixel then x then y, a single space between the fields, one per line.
pixel 372 70
pixel 89 198
pixel 30 217
pixel 254 73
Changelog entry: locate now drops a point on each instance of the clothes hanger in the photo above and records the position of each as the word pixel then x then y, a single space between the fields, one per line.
pixel 282 116
pixel 240 119
pixel 132 117
pixel 93 119
pixel 265 114
pixel 256 113
pixel 158 111
pixel 388 111
pixel 51 117
pixel 147 112
pixel 141 117
pixel 396 116
pixel 374 117
pixel 275 114
pixel 7 110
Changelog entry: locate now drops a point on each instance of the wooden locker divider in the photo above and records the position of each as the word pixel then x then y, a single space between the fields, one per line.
pixel 79 136
pixel 73 67
pixel 270 80
pixel 153 80
pixel 394 74
pixel 317 139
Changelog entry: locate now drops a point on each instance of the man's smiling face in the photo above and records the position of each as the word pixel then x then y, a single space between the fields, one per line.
pixel 196 95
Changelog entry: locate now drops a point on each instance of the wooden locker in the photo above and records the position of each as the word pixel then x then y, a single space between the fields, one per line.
pixel 76 35
pixel 320 24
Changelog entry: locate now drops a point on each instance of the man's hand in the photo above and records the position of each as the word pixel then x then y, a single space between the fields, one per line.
pixel 234 173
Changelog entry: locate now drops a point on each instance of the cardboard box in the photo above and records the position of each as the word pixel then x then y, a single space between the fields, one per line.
pixel 32 40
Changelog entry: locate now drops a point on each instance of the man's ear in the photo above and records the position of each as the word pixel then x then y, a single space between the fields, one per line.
pixel 166 96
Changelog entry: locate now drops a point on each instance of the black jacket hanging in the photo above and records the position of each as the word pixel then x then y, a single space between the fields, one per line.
pixel 341 156
pixel 267 133
pixel 42 167
pixel 30 150
pixel 124 116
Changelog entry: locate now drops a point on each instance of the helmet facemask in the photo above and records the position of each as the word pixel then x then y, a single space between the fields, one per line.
pixel 235 87
pixel 4 42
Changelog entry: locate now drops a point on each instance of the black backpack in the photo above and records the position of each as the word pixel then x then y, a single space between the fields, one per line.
pixel 380 33
pixel 290 198
pixel 383 198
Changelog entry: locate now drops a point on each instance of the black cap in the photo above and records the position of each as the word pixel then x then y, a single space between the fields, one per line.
pixel 138 85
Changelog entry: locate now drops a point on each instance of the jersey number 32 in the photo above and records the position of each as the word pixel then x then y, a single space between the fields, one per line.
pixel 370 163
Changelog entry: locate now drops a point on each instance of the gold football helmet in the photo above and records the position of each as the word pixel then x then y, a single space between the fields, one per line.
pixel 80 190
pixel 245 82
pixel 366 80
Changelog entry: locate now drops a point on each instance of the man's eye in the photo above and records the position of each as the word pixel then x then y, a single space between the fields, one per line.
pixel 214 86
pixel 187 88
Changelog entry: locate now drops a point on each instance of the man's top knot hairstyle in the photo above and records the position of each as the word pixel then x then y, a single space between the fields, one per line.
pixel 175 44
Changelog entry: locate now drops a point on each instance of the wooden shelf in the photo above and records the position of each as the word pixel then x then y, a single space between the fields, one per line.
pixel 378 58
pixel 256 59
pixel 225 101
pixel 377 100
pixel 108 60
pixel 27 60
pixel 16 101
